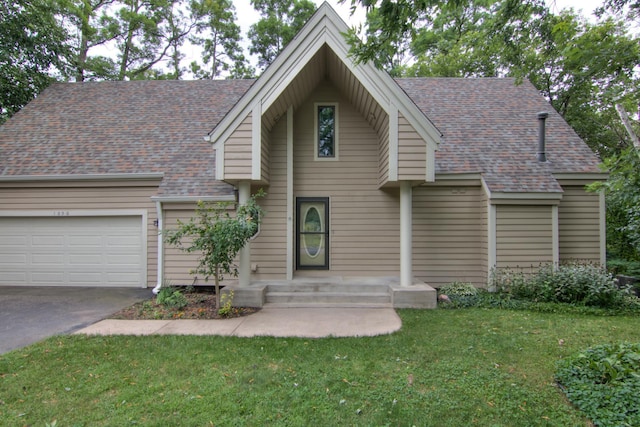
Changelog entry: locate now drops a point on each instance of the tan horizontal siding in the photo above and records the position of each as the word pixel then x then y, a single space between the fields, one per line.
pixel 178 264
pixel 579 225
pixel 357 208
pixel 71 197
pixel 412 152
pixel 269 248
pixel 523 236
pixel 449 235
pixel 238 150
pixel 383 143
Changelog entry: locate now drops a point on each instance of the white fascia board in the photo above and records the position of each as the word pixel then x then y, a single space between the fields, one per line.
pixel 76 213
pixel 458 176
pixel 525 196
pixel 497 196
pixel 84 177
pixel 256 142
pixel 599 176
pixel 194 199
pixel 393 144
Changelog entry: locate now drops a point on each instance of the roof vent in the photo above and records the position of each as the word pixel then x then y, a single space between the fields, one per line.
pixel 542 153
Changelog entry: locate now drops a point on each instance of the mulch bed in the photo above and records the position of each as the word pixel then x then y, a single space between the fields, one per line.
pixel 200 305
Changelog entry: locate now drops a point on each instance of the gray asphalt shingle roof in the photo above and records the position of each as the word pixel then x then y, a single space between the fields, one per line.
pixel 489 126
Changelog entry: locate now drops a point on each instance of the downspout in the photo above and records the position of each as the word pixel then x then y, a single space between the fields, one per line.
pixel 160 271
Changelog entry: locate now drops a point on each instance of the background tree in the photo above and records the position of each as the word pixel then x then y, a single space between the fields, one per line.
pixel 280 21
pixel 217 237
pixel 86 16
pixel 33 51
pixel 217 32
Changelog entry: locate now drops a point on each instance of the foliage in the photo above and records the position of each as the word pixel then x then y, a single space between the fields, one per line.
pixel 217 237
pixel 171 297
pixel 227 304
pixel 604 382
pixel 579 284
pixel 34 45
pixel 460 294
pixel 625 267
pixel 622 191
pixel 280 21
pixel 217 32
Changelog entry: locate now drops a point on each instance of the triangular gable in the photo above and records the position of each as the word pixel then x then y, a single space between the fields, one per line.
pixel 324 28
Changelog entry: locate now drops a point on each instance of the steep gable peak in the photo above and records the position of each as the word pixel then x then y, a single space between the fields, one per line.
pixel 320 52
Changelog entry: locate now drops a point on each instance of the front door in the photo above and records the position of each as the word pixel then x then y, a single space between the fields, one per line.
pixel 312 233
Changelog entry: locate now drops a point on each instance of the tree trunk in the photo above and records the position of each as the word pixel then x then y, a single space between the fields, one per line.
pixel 217 288
pixel 627 125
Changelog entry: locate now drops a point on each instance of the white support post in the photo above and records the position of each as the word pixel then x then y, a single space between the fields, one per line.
pixel 244 271
pixel 603 229
pixel 492 252
pixel 160 270
pixel 290 201
pixel 406 244
pixel 555 235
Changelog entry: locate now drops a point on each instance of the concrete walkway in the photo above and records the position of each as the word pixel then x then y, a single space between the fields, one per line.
pixel 276 322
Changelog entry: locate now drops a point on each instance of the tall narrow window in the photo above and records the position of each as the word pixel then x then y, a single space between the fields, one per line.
pixel 326 134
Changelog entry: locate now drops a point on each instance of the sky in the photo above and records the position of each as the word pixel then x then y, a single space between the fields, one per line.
pixel 247 15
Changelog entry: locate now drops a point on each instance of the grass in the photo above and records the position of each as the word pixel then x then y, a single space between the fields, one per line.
pixel 484 367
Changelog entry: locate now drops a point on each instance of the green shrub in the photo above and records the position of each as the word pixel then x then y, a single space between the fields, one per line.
pixel 460 294
pixel 580 284
pixel 172 297
pixel 604 383
pixel 625 267
pixel 226 301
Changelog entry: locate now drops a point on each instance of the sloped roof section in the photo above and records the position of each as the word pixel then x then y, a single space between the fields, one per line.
pixel 490 126
pixel 123 127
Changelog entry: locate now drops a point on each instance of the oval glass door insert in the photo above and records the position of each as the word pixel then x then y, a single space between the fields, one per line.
pixel 312 223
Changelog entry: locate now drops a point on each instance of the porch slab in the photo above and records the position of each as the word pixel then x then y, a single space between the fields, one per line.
pixel 253 295
pixel 415 296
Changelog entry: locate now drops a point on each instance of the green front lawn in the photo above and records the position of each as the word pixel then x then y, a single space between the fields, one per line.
pixel 486 367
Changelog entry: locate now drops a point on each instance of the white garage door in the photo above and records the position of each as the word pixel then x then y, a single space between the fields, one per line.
pixel 72 251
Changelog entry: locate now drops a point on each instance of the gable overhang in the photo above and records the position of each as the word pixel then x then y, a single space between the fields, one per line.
pixel 324 29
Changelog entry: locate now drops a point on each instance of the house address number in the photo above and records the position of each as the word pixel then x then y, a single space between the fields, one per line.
pixel 60 213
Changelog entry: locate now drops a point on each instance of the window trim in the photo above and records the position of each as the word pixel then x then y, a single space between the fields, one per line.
pixel 336 138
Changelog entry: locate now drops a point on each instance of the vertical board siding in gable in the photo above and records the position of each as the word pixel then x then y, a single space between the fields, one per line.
pixel 238 152
pixel 269 248
pixel 523 236
pixel 449 235
pixel 84 197
pixel 579 225
pixel 412 152
pixel 364 221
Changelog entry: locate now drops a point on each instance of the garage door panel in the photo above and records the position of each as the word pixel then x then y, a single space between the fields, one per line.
pixel 46 259
pixel 72 251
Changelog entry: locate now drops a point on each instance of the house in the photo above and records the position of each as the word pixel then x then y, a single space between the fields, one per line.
pixel 409 182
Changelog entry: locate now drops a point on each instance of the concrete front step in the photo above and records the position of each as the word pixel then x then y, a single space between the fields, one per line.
pixel 314 294
pixel 333 293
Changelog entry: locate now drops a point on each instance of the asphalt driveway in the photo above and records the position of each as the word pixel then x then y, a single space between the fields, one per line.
pixel 30 314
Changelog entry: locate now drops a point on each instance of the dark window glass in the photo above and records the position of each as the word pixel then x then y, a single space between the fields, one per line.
pixel 326 131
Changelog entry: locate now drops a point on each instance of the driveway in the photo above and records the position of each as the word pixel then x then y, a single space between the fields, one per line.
pixel 30 314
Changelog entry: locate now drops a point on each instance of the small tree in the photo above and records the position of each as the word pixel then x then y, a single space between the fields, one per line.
pixel 218 236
